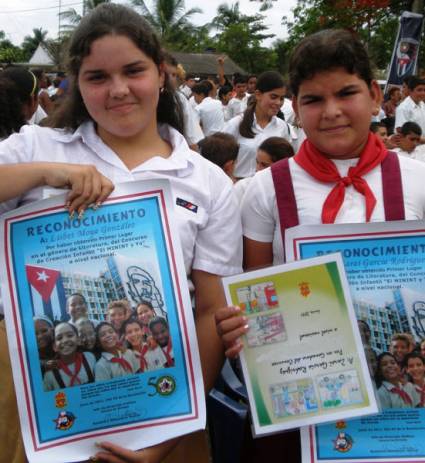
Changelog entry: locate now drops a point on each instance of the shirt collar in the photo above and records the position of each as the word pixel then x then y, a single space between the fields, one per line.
pixel 180 160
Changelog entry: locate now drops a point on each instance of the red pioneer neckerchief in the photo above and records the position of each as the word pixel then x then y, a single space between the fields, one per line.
pixel 170 360
pixel 403 394
pixel 421 391
pixel 324 170
pixel 74 376
pixel 123 362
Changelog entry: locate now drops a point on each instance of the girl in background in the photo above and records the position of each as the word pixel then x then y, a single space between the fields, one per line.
pixel 258 122
pixel 392 393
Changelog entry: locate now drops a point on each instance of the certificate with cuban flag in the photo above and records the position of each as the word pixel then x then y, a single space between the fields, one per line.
pixel 100 325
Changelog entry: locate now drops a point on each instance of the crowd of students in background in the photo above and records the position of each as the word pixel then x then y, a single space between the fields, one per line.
pixel 82 350
pixel 397 373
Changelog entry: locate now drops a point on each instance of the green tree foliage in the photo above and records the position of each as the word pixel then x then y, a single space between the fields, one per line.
pixel 375 22
pixel 240 36
pixel 31 42
pixel 172 23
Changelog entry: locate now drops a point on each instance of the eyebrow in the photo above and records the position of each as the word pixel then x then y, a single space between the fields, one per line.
pixel 314 96
pixel 129 65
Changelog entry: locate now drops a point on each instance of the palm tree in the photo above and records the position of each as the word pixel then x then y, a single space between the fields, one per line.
pixel 30 43
pixel 170 19
pixel 73 17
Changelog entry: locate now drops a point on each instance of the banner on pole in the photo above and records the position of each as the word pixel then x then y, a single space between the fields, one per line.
pixel 406 49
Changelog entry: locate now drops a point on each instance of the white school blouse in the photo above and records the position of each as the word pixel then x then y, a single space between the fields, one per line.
pixel 246 160
pixel 210 236
pixel 260 216
pixel 49 380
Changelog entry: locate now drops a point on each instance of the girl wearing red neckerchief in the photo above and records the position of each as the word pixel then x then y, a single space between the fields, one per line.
pixel 342 173
pixel 73 367
pixel 392 393
pixel 414 365
pixel 115 361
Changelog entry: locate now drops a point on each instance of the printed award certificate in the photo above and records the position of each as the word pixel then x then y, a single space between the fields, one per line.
pixel 302 360
pixel 78 378
pixel 385 265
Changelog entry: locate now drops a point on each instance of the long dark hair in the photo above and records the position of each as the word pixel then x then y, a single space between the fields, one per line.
pixel 112 19
pixel 267 81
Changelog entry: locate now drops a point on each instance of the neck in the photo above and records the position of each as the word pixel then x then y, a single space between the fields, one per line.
pixel 67 359
pixel 262 118
pixel 419 381
pixel 137 149
pixel 394 382
pixel 113 350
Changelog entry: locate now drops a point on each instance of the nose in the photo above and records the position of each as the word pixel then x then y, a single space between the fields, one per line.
pixel 331 109
pixel 118 87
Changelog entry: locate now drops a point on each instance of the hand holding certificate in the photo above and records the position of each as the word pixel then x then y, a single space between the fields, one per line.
pixel 303 360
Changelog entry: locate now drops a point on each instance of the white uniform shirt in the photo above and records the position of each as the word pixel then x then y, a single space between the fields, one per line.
pixel 237 106
pixel 260 216
pixel 155 358
pixel 186 90
pixel 226 113
pixel 210 236
pixel 106 369
pixel 388 399
pixel 192 130
pixel 418 153
pixel 49 380
pixel 246 160
pixel 38 116
pixel 210 115
pixel 240 188
pixel 288 111
pixel 409 111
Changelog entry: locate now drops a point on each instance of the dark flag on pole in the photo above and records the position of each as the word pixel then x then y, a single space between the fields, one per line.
pixel 406 48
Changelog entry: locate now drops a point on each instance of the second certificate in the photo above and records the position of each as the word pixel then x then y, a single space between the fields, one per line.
pixel 302 360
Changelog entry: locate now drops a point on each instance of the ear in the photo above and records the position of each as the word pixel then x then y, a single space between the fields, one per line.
pixel 229 167
pixel 376 95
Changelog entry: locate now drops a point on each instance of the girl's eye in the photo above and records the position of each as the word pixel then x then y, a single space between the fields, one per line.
pixel 96 78
pixel 134 71
pixel 348 93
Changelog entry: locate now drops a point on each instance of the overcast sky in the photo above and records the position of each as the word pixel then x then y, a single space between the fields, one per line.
pixel 18 18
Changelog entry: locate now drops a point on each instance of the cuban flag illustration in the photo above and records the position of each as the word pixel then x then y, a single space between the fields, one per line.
pixel 47 292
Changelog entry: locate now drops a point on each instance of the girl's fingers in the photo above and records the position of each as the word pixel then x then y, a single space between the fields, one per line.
pixel 118 454
pixel 234 351
pixel 226 312
pixel 107 187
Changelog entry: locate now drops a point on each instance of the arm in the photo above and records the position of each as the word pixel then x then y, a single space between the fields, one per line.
pixel 45 102
pixel 209 297
pixel 220 71
pixel 87 185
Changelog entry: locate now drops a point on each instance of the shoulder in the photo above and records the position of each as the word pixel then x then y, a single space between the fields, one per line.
pixel 233 124
pixel 193 165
